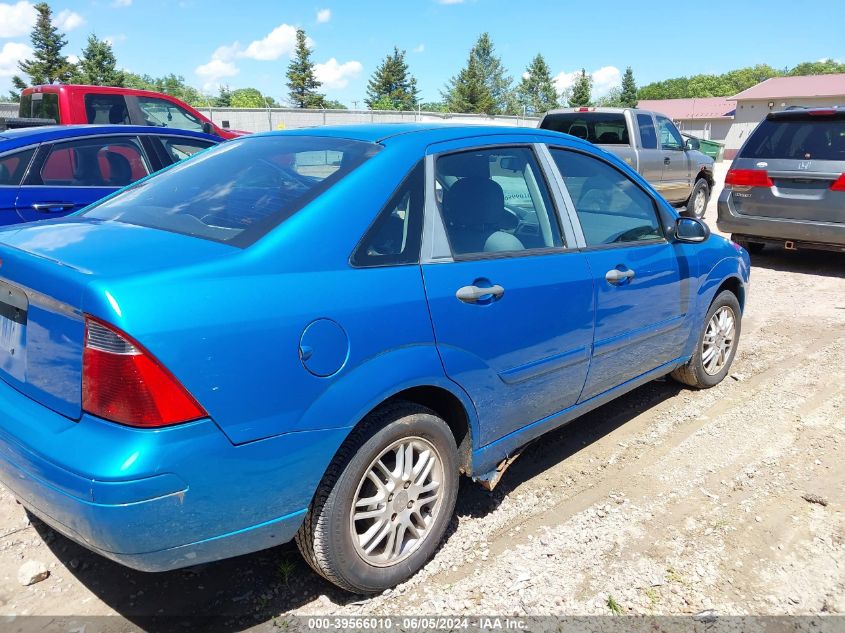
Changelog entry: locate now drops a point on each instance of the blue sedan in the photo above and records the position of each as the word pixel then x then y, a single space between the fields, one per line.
pixel 52 171
pixel 313 334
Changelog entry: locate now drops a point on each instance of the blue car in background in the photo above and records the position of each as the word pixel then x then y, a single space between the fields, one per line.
pixel 312 334
pixel 55 170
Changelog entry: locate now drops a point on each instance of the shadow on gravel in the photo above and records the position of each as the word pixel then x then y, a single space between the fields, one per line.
pixel 808 262
pixel 254 589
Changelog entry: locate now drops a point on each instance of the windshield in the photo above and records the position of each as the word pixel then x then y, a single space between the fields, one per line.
pixel 817 138
pixel 236 192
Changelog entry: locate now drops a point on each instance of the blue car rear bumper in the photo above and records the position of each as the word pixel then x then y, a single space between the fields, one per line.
pixel 158 500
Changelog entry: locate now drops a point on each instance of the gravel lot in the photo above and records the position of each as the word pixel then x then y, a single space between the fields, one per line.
pixel 668 501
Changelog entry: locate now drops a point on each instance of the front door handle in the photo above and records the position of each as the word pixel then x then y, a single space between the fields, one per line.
pixel 52 207
pixel 616 276
pixel 667 160
pixel 474 294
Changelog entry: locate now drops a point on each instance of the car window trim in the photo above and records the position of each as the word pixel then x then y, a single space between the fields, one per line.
pixel 434 227
pixel 45 148
pixel 583 246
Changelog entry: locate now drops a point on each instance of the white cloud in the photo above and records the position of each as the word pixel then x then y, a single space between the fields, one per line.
pixel 73 59
pixel 68 20
pixel 419 49
pixel 324 15
pixel 10 55
pixel 115 39
pixel 215 70
pixel 120 4
pixel 333 74
pixel 604 79
pixel 449 1
pixel 280 41
pixel 17 19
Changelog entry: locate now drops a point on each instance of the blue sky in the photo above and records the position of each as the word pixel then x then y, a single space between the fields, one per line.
pixel 248 43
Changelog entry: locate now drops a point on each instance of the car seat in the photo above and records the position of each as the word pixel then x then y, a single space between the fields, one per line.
pixel 579 131
pixel 117 114
pixel 474 209
pixel 120 170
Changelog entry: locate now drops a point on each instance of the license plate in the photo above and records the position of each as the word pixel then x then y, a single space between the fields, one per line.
pixel 14 306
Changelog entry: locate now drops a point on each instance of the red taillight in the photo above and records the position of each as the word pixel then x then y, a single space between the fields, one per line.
pixel 122 382
pixel 839 184
pixel 748 178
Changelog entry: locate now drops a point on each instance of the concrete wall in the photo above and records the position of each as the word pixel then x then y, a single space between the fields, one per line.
pixel 292 118
pixel 750 112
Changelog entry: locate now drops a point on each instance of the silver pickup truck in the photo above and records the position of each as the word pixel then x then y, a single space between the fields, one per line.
pixel 651 144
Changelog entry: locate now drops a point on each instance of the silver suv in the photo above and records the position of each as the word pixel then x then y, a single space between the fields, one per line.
pixel 786 187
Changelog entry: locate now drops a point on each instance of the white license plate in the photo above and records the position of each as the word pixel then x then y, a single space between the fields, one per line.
pixel 10 335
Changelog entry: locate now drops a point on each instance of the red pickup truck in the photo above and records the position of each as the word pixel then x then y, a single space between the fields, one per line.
pixel 70 104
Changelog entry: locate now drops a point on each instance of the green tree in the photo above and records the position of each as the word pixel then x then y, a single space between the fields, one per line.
pixel 334 104
pixel 613 99
pixel 97 66
pixel 581 89
pixel 248 98
pixel 392 85
pixel 302 82
pixel 223 98
pixel 822 67
pixel 173 85
pixel 492 74
pixel 628 94
pixel 47 64
pixel 433 106
pixel 536 91
pixel 469 92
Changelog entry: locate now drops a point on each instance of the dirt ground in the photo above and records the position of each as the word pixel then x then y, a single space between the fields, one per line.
pixel 667 501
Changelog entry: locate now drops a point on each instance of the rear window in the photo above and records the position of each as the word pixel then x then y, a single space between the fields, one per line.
pixel 818 138
pixel 605 128
pixel 40 105
pixel 236 192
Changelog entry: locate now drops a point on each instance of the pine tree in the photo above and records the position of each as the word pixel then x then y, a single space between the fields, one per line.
pixel 537 91
pixel 302 82
pixel 581 90
pixel 224 97
pixel 469 92
pixel 48 64
pixel 392 87
pixel 628 97
pixel 98 66
pixel 493 76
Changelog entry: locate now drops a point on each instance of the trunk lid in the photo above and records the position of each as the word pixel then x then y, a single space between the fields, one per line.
pixel 50 272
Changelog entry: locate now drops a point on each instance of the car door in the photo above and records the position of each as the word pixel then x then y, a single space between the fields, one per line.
pixel 651 156
pixel 510 302
pixel 675 181
pixel 69 175
pixel 640 298
pixel 13 166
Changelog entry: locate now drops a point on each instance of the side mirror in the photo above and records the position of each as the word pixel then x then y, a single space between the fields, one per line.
pixel 691 230
pixel 207 127
pixel 692 143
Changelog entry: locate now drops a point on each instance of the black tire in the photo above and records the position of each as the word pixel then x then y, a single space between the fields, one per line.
pixel 701 188
pixel 325 538
pixel 755 248
pixel 693 372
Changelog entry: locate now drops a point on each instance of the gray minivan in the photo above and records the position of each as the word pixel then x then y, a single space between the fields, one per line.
pixel 786 187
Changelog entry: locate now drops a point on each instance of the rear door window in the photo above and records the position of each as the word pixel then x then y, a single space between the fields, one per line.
pixel 40 105
pixel 95 162
pixel 105 109
pixel 13 167
pixel 182 148
pixel 799 139
pixel 647 135
pixel 238 190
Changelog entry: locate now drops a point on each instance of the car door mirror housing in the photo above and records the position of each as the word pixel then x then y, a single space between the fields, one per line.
pixel 692 143
pixel 691 230
pixel 207 127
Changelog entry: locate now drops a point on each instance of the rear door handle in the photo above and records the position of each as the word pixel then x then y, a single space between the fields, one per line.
pixel 474 294
pixel 53 207
pixel 616 276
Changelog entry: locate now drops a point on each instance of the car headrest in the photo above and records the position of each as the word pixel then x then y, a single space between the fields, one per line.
pixel 474 202
pixel 120 170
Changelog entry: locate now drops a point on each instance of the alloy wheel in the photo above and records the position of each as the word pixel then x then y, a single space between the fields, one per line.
pixel 718 340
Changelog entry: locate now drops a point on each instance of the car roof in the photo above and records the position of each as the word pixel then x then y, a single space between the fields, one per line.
pixel 41 134
pixel 419 132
